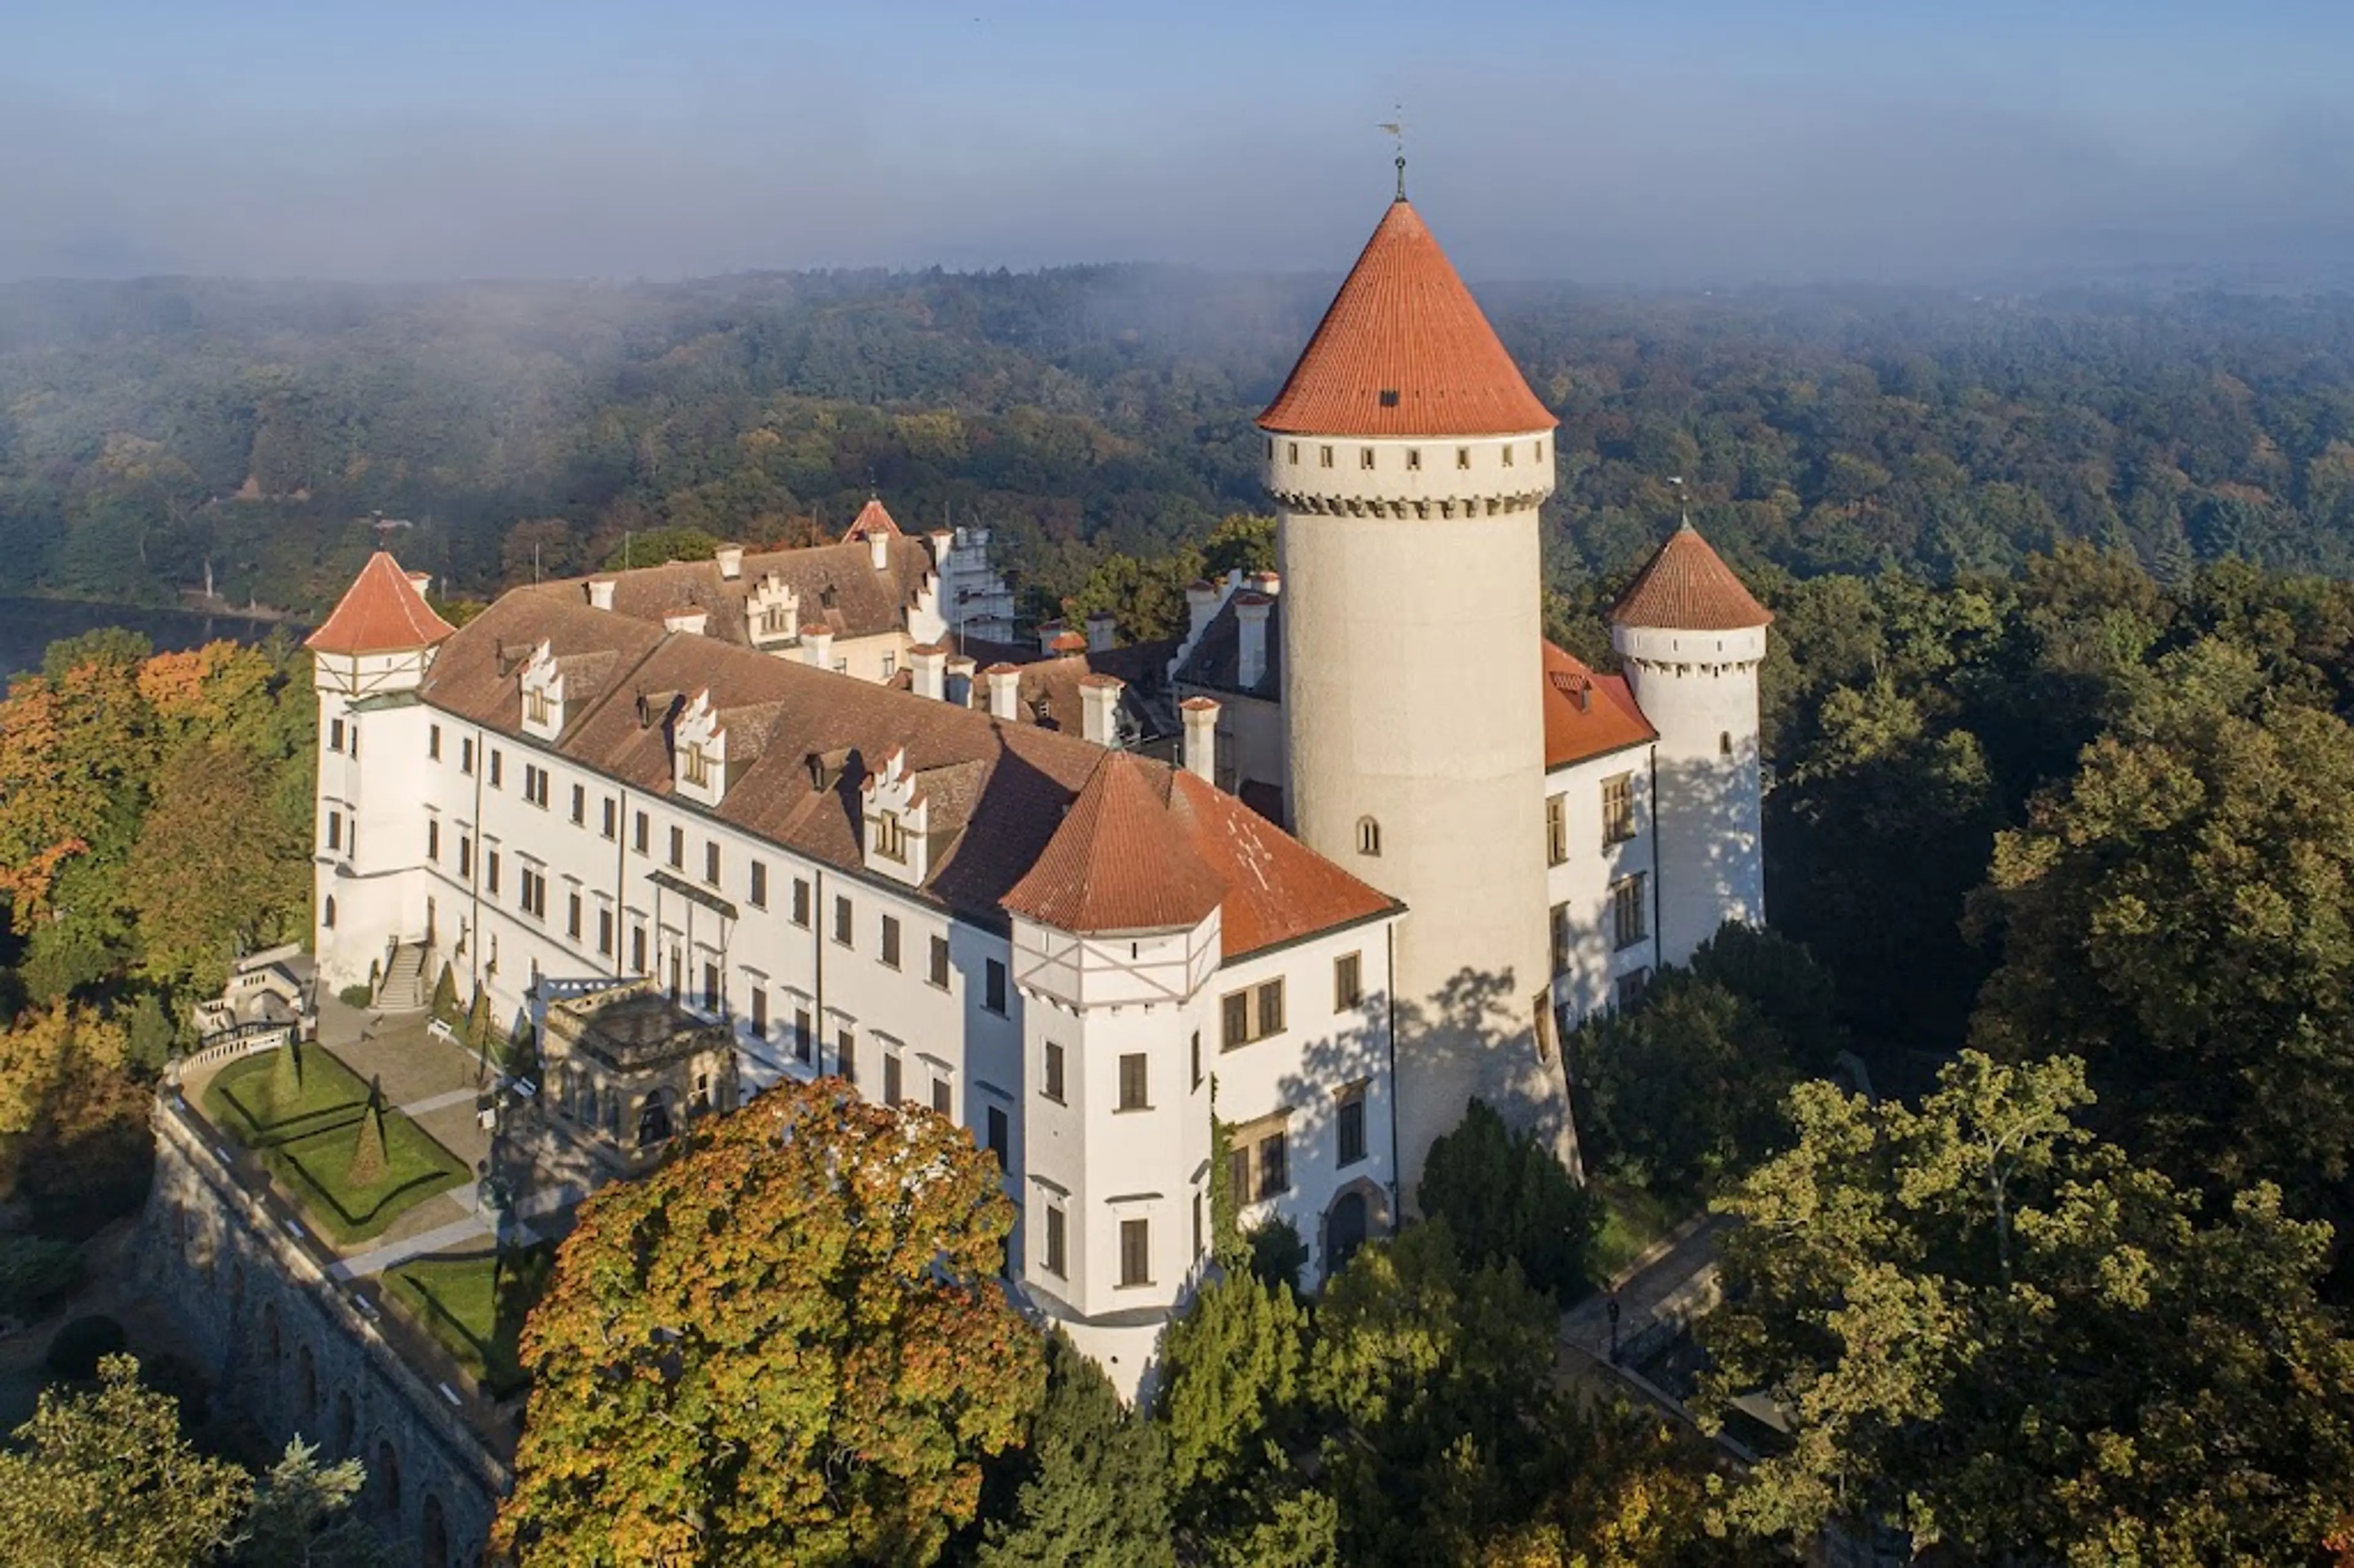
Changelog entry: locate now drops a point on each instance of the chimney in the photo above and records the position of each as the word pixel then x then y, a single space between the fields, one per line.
pixel 600 593
pixel 1101 623
pixel 422 582
pixel 1005 691
pixel 687 619
pixel 1252 610
pixel 1099 703
pixel 942 542
pixel 731 562
pixel 1048 632
pixel 817 645
pixel 960 687
pixel 878 549
pixel 1201 605
pixel 927 669
pixel 1200 737
pixel 1268 582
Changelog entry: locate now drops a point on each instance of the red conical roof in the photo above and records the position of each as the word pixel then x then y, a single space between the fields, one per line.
pixel 1118 861
pixel 381 612
pixel 871 519
pixel 1687 586
pixel 1404 350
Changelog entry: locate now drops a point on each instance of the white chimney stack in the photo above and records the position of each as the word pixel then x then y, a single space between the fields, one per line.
pixel 927 666
pixel 1004 691
pixel 1201 605
pixel 600 593
pixel 817 645
pixel 1099 703
pixel 1048 630
pixel 959 688
pixel 1200 737
pixel 1268 582
pixel 1101 624
pixel 422 582
pixel 942 542
pixel 878 549
pixel 1252 610
pixel 731 562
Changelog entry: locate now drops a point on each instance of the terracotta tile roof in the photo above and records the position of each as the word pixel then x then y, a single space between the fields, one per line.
pixel 1404 350
pixel 381 612
pixel 1121 861
pixel 864 602
pixel 1687 586
pixel 872 519
pixel 1001 794
pixel 1586 715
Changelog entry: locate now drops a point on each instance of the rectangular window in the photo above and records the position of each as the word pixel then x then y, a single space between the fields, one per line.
pixel 335 735
pixel 334 829
pixel 1631 986
pixel 498 767
pixel 891 941
pixel 465 855
pixel 677 848
pixel 1324 456
pixel 992 989
pixel 1197 1058
pixel 1197 1225
pixel 432 838
pixel 1617 809
pixel 491 870
pixel 804 1035
pixel 842 920
pixel 890 666
pixel 940 975
pixel 572 916
pixel 612 816
pixel 1349 1122
pixel 760 884
pixel 1556 829
pixel 759 1013
pixel 1054 1074
pixel 1274 1165
pixel 698 768
pixel 605 933
pixel 1462 457
pixel 530 781
pixel 1253 1014
pixel 710 862
pixel 1001 1138
pixel 891 837
pixel 434 743
pixel 941 1096
pixel 580 804
pixel 637 949
pixel 1508 454
pixel 1414 457
pixel 642 834
pixel 845 1055
pixel 892 1082
pixel 1057 1260
pixel 1561 939
pixel 1135 1252
pixel 1238 1175
pixel 1235 1021
pixel 1134 1082
pixel 466 754
pixel 1348 981
pixel 1269 994
pixel 801 902
pixel 1364 457
pixel 1626 924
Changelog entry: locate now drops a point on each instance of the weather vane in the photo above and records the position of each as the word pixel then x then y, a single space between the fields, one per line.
pixel 1397 131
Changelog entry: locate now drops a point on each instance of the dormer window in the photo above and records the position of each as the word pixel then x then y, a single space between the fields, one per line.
pixel 772 620
pixel 537 708
pixel 698 768
pixel 891 837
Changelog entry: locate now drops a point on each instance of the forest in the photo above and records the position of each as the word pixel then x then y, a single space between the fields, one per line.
pixel 151 431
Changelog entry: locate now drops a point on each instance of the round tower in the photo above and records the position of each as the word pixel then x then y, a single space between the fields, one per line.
pixel 1691 637
pixel 1407 456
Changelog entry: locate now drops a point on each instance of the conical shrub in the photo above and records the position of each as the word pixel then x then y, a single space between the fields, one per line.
pixel 370 1156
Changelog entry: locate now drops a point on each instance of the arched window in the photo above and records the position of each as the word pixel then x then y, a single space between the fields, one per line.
pixel 436 1533
pixel 347 1423
pixel 387 1476
pixel 653 1120
pixel 306 1382
pixel 1369 836
pixel 328 919
pixel 1724 743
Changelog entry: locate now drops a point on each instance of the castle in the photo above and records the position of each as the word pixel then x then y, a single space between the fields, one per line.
pixel 1399 843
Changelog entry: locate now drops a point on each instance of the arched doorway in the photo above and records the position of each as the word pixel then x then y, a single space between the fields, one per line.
pixel 1346 1225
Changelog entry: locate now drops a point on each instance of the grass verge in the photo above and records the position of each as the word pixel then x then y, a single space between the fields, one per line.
pixel 474 1308
pixel 1632 1221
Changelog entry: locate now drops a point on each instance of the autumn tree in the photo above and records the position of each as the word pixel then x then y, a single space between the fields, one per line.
pixel 106 1477
pixel 1992 1330
pixel 786 1344
pixel 216 869
pixel 73 1120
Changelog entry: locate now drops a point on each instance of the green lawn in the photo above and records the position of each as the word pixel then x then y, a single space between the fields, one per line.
pixel 307 1143
pixel 451 1299
pixel 1632 1220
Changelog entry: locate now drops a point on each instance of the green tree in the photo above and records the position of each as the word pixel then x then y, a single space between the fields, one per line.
pixel 106 1477
pixel 1990 1329
pixel 302 1516
pixel 1276 1253
pixel 1094 1489
pixel 1232 1401
pixel 371 1154
pixel 1505 1197
pixel 786 1344
pixel 215 871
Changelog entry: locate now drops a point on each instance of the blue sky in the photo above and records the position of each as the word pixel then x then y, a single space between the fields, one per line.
pixel 1665 142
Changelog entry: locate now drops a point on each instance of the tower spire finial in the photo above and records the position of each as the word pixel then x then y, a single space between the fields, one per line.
pixel 1683 499
pixel 1396 129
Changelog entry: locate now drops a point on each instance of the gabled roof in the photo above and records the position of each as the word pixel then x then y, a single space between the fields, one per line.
pixel 1586 715
pixel 1687 586
pixel 839 589
pixel 872 519
pixel 1119 862
pixel 1404 350
pixel 381 612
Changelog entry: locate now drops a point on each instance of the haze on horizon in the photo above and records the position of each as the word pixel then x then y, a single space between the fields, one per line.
pixel 1706 140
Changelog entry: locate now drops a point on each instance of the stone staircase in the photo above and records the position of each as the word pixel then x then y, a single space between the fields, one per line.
pixel 404 987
